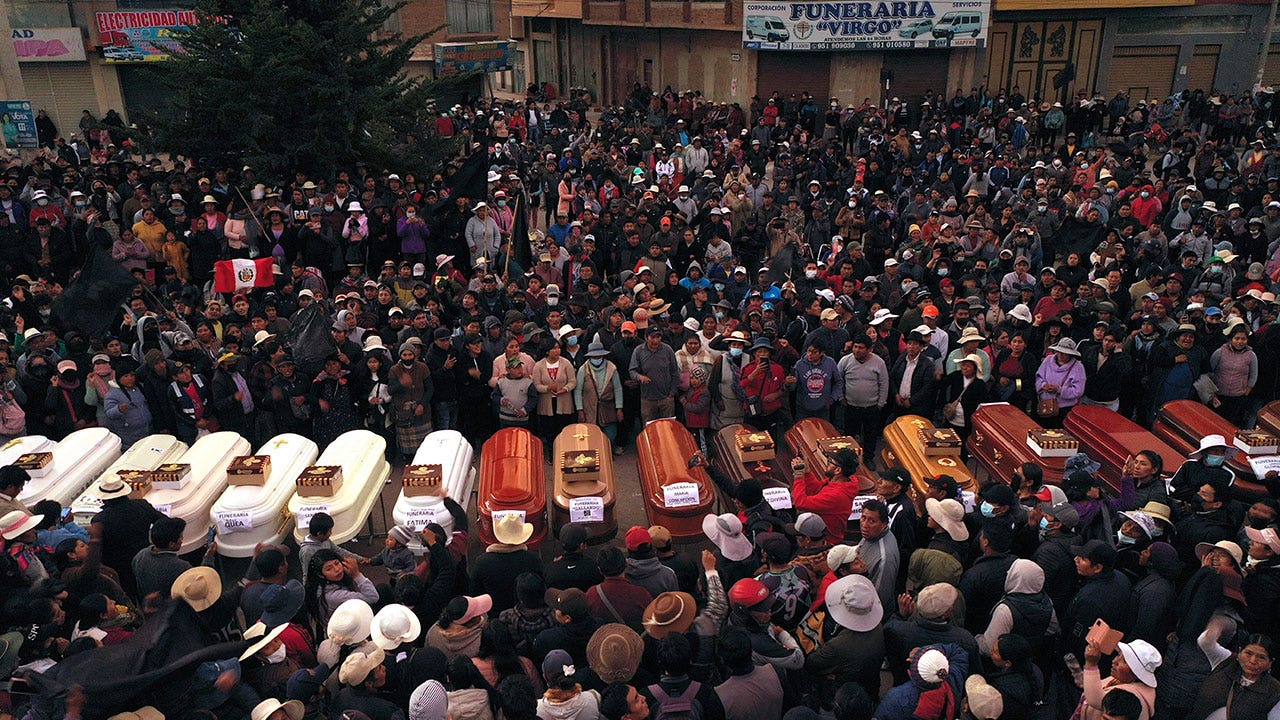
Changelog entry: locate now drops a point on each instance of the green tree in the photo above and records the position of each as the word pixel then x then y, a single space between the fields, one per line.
pixel 311 85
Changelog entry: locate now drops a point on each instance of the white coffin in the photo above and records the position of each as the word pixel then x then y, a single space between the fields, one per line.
pixel 77 461
pixel 362 455
pixel 451 451
pixel 148 453
pixel 208 458
pixel 17 447
pixel 246 515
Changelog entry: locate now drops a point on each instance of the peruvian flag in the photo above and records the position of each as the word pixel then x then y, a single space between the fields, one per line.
pixel 236 275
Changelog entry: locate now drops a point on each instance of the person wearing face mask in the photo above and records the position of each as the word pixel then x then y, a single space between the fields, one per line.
pixel 598 396
pixel 65 400
pixel 410 384
pixel 1204 466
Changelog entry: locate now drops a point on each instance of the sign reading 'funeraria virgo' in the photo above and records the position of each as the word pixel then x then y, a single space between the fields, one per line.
pixel 865 25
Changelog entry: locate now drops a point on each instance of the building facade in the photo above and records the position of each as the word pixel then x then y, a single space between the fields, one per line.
pixel 1148 48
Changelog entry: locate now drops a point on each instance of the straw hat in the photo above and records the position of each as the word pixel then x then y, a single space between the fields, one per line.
pixel 113 487
pixel 853 603
pixel 262 642
pixel 143 713
pixel 1212 442
pixel 350 623
pixel 358 665
pixel 970 334
pixel 669 612
pixel 393 625
pixel 200 587
pixel 265 709
pixel 615 651
pixel 16 522
pixel 949 514
pixel 985 702
pixel 511 529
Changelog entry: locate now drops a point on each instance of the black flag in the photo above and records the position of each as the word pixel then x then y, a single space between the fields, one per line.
pixel 522 251
pixel 90 303
pixel 472 179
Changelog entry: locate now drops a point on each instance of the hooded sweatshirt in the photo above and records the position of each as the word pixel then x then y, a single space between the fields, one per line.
pixel 584 705
pixel 455 640
pixel 650 574
pixel 1024 609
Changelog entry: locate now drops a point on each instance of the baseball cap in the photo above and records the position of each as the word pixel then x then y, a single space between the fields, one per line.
pixel 638 537
pixel 808 524
pixel 1064 513
pixel 1097 552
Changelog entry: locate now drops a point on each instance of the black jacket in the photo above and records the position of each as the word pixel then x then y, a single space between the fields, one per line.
pixel 495 573
pixel 573 570
pixel 982 586
pixel 1104 596
pixel 922 386
pixel 1054 556
pixel 1104 384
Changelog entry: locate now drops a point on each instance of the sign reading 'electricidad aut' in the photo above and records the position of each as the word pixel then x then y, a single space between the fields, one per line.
pixel 865 25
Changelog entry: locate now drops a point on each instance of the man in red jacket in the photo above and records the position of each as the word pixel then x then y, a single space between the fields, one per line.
pixel 829 498
pixel 763 382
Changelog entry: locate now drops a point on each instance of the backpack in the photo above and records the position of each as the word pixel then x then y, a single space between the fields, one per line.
pixel 684 706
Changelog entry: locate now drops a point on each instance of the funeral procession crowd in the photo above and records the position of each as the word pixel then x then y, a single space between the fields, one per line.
pixel 1101 270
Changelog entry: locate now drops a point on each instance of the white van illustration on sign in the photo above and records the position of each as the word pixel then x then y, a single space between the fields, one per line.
pixel 768 28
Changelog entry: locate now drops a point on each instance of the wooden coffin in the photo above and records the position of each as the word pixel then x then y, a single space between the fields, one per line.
pixel 582 480
pixel 771 472
pixel 675 495
pixel 1110 438
pixel 1269 417
pixel 1182 423
pixel 902 446
pixel 999 443
pixel 513 477
pixel 809 439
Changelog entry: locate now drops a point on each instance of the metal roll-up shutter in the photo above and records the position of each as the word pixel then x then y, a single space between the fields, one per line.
pixel 61 89
pixel 1203 67
pixel 1143 72
pixel 916 72
pixel 793 72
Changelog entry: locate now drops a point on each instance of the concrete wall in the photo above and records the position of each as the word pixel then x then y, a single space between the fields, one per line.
pixel 856 75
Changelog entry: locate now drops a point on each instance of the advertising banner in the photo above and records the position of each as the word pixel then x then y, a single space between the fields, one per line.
pixel 18 123
pixel 143 35
pixel 48 44
pixel 454 58
pixel 865 25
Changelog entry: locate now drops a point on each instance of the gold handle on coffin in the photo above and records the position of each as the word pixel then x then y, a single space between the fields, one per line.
pixel 997 455
pixel 977 437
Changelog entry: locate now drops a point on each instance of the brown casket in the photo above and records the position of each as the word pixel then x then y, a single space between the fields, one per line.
pixel 1111 438
pixel 1181 424
pixel 1269 417
pixel 663 450
pixel 583 481
pixel 903 446
pixel 999 443
pixel 512 477
pixel 734 444
pixel 813 438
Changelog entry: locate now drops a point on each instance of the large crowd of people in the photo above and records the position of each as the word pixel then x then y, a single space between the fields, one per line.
pixel 796 258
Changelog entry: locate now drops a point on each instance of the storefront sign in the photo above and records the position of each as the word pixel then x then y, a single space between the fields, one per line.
pixel 142 36
pixel 18 123
pixel 454 58
pixel 865 25
pixel 48 44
